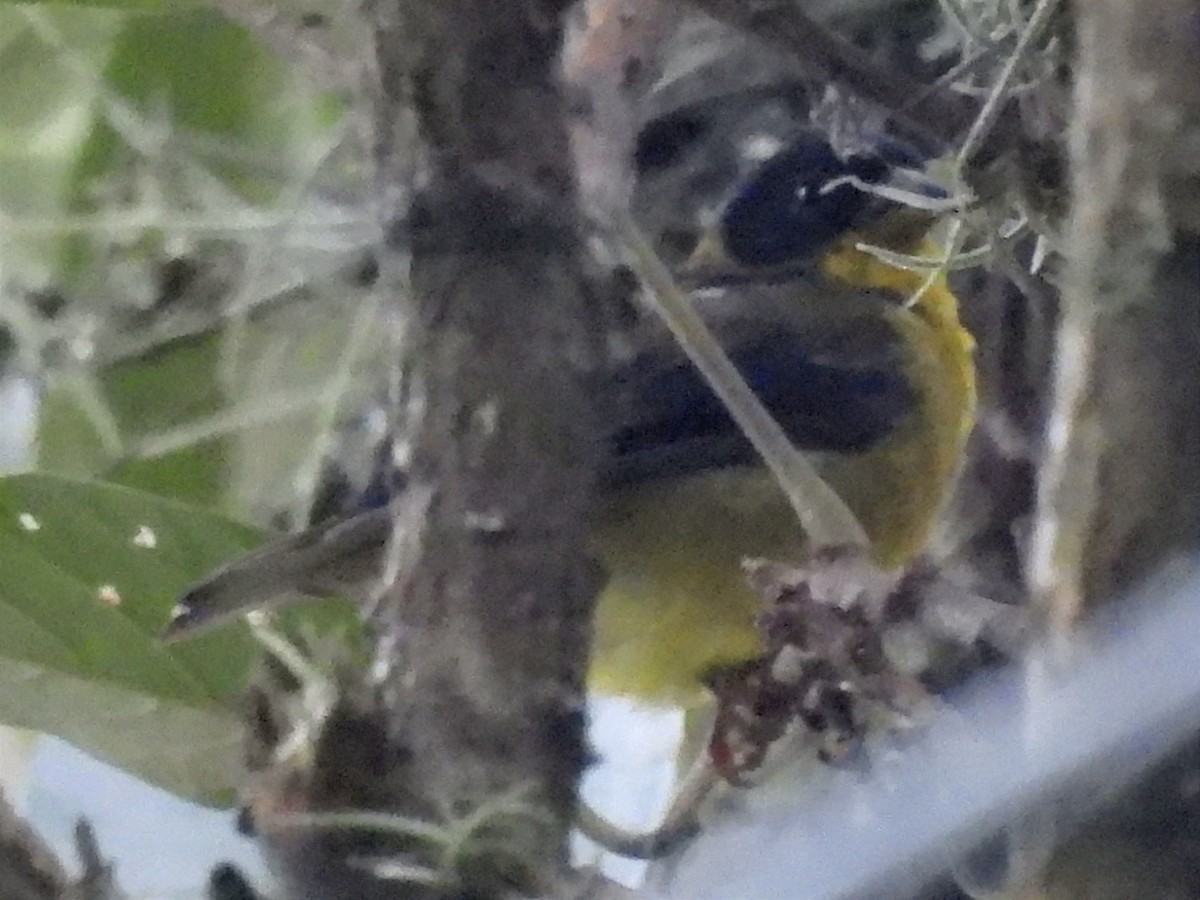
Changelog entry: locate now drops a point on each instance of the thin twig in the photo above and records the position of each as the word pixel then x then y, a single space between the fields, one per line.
pixel 822 513
pixel 995 103
pixel 830 58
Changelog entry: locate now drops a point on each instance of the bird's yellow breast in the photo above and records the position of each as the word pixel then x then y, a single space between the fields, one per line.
pixel 898 488
pixel 677 605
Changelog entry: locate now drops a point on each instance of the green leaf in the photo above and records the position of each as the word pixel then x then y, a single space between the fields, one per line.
pixel 168 387
pixel 212 79
pixel 88 92
pixel 88 575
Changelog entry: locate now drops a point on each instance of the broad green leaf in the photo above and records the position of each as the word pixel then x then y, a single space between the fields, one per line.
pixel 88 574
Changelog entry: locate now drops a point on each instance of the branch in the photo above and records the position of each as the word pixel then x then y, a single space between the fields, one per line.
pixel 29 870
pixel 469 737
pixel 1119 483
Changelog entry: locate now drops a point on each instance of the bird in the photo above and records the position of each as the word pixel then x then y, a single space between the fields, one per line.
pixel 864 365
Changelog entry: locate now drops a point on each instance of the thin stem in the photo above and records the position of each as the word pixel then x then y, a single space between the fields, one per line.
pixel 824 517
pixel 991 109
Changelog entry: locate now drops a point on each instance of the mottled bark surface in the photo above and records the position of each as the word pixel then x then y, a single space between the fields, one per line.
pixel 1121 477
pixel 480 639
pixel 482 642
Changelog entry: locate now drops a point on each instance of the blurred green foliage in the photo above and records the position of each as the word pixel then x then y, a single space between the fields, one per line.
pixel 150 111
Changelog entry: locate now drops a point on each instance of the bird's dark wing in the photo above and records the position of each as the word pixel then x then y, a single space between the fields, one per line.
pixel 839 388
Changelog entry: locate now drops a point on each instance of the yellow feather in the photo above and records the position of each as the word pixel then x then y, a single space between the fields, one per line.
pixel 676 605
pixel 898 489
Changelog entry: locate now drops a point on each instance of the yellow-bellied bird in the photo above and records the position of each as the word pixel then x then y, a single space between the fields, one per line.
pixel 854 363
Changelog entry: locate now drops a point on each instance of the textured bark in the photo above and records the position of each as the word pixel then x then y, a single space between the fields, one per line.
pixel 471 719
pixel 482 642
pixel 1121 478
